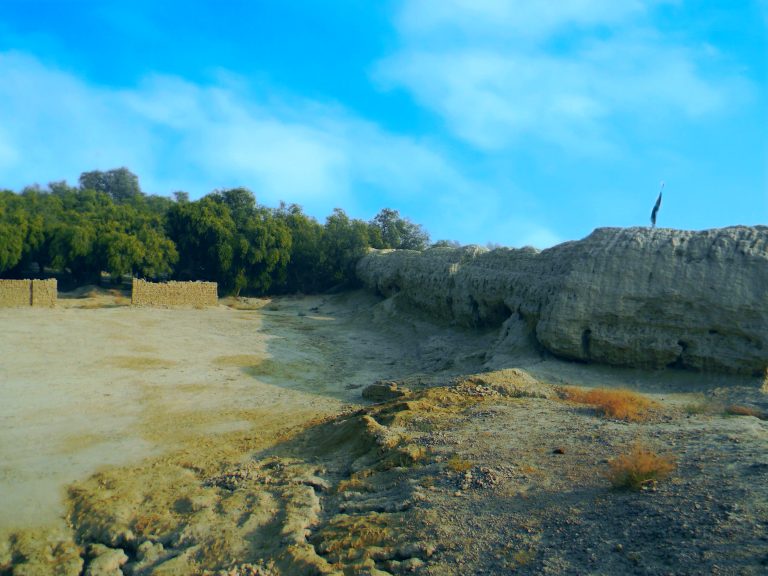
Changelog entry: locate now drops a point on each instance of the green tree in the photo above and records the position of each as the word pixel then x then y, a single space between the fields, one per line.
pixel 72 248
pixel 120 184
pixel 240 201
pixel 107 224
pixel 225 237
pixel 14 226
pixel 204 233
pixel 131 241
pixel 306 270
pixel 344 242
pixel 262 243
pixel 398 232
pixel 180 196
pixel 160 254
pixel 83 232
pixel 446 244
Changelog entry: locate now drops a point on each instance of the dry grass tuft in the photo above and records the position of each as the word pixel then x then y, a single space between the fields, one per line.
pixel 522 558
pixel 150 524
pixel 92 305
pixel 620 404
pixel 739 410
pixel 239 360
pixel 347 537
pixel 638 467
pixel 139 362
pixel 247 304
pixel 700 407
pixel 354 484
pixel 458 464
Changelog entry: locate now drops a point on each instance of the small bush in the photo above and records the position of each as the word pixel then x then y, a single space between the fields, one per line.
pixel 354 484
pixel 739 410
pixel 458 464
pixel 523 557
pixel 699 407
pixel 619 404
pixel 638 467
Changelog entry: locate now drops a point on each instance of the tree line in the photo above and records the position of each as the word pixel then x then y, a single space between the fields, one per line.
pixel 107 224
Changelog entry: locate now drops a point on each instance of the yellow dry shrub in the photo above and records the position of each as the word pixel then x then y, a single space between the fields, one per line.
pixel 638 467
pixel 739 410
pixel 459 464
pixel 620 404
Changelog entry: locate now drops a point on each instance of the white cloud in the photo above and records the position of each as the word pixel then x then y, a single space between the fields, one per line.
pixel 177 135
pixel 52 121
pixel 514 18
pixel 8 154
pixel 564 73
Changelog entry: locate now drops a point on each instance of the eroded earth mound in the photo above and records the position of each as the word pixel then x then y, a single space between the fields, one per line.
pixel 638 297
pixel 489 473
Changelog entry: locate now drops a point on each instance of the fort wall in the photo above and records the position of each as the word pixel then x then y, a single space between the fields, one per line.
pixel 39 293
pixel 195 294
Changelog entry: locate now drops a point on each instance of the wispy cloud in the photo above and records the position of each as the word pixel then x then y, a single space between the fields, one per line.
pixel 522 19
pixel 50 121
pixel 503 73
pixel 179 135
pixel 56 125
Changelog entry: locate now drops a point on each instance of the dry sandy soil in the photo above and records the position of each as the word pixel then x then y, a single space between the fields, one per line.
pixel 235 440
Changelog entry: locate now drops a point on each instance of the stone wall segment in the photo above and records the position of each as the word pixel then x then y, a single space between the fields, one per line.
pixel 169 294
pixel 44 293
pixel 38 293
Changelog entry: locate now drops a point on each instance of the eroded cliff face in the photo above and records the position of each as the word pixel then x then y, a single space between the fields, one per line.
pixel 637 297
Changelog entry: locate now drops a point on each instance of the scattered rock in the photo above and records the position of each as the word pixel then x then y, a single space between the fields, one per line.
pixel 411 565
pixel 510 382
pixel 105 561
pixel 384 391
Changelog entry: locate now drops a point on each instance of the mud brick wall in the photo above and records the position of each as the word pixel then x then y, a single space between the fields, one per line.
pixel 28 293
pixel 44 293
pixel 15 293
pixel 195 294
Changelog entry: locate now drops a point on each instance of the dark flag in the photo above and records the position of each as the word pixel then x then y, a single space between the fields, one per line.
pixel 656 207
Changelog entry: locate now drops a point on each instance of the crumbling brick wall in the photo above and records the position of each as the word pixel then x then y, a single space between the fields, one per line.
pixel 195 294
pixel 42 293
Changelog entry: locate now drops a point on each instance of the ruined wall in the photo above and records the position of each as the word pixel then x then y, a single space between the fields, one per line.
pixel 195 294
pixel 633 297
pixel 40 293
pixel 44 293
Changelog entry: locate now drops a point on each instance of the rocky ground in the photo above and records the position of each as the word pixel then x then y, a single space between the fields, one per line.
pixel 460 460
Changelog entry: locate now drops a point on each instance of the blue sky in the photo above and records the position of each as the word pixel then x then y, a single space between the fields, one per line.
pixel 515 122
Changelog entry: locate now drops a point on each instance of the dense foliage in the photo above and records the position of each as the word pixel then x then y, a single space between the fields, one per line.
pixel 108 224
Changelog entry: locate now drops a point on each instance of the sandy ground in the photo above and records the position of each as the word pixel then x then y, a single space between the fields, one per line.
pixel 234 441
pixel 96 383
